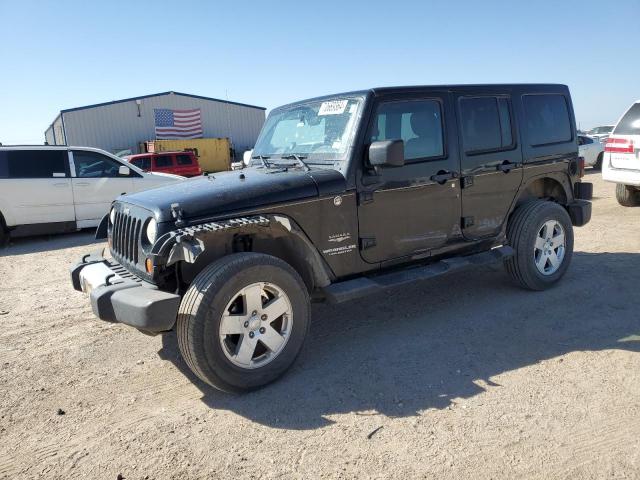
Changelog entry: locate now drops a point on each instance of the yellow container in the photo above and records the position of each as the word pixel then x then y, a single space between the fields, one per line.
pixel 214 154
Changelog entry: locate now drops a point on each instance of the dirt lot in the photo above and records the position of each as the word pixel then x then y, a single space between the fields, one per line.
pixel 464 377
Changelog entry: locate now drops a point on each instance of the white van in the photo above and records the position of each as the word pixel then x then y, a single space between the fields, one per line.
pixel 45 189
pixel 622 157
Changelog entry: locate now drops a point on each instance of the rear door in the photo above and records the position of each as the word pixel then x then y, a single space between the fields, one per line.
pixel 623 146
pixel 35 187
pixel 491 161
pixel 164 163
pixel 96 183
pixel 405 212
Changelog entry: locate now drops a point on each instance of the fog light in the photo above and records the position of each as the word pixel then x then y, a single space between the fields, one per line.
pixel 149 264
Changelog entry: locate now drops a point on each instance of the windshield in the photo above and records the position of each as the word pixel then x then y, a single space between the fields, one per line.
pixel 320 131
pixel 599 130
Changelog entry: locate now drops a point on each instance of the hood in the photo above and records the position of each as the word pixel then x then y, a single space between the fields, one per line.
pixel 166 175
pixel 229 192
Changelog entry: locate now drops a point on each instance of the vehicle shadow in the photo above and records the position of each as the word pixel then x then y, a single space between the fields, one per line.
pixel 439 342
pixel 45 243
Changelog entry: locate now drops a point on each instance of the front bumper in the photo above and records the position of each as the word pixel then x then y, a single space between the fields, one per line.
pixel 118 296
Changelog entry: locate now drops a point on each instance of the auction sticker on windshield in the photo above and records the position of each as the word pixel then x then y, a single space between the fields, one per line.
pixel 333 107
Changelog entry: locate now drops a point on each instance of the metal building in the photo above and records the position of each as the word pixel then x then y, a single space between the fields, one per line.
pixel 124 124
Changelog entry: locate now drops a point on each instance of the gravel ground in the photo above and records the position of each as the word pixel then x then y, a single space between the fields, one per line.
pixel 465 376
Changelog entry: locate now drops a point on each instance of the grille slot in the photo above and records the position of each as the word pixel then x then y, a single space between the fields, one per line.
pixel 126 237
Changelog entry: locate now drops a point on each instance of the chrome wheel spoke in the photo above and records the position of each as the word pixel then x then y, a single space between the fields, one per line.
pixel 232 324
pixel 275 308
pixel 558 240
pixel 272 339
pixel 253 298
pixel 541 262
pixel 540 241
pixel 246 349
pixel 554 260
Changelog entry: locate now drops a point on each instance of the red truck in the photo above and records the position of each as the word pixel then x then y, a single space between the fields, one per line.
pixel 178 163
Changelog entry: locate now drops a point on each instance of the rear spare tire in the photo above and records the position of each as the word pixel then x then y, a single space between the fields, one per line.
pixel 243 321
pixel 541 234
pixel 627 196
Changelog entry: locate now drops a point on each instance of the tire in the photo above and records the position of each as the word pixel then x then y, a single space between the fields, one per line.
pixel 4 233
pixel 230 285
pixel 627 196
pixel 598 164
pixel 534 229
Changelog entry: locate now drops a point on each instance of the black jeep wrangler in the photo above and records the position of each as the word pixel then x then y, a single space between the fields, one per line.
pixel 346 195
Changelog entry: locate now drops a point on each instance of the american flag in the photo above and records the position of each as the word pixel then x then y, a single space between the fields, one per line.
pixel 177 123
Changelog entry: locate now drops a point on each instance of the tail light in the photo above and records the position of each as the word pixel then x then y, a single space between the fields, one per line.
pixel 580 167
pixel 619 145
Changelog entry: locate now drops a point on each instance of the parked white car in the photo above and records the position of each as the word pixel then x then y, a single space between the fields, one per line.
pixel 622 157
pixel 46 189
pixel 591 150
pixel 601 133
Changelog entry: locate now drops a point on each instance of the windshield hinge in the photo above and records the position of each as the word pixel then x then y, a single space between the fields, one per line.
pixel 365 197
pixel 367 242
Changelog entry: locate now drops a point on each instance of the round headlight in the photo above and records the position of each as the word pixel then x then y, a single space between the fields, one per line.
pixel 112 216
pixel 152 230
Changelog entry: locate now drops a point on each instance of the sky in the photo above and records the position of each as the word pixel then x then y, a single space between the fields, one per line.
pixel 67 53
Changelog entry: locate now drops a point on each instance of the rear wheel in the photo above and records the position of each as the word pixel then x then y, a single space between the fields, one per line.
pixel 243 321
pixel 627 196
pixel 4 233
pixel 598 164
pixel 541 234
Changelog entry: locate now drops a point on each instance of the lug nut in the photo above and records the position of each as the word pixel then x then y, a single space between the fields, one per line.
pixel 251 334
pixel 254 313
pixel 264 317
pixel 246 324
pixel 262 330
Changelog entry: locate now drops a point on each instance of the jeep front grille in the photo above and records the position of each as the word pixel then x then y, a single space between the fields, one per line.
pixel 125 237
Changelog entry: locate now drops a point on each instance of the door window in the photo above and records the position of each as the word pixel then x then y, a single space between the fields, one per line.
pixel 144 163
pixel 418 123
pixel 164 161
pixel 630 123
pixel 547 119
pixel 94 165
pixel 184 159
pixel 486 124
pixel 33 164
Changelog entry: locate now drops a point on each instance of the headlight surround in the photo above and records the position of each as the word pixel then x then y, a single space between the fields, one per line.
pixel 152 231
pixel 112 216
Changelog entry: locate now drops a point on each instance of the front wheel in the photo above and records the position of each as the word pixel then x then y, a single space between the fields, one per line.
pixel 541 234
pixel 243 321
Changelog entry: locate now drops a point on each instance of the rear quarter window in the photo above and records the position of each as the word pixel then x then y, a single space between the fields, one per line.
pixel 547 119
pixel 33 164
pixel 184 160
pixel 629 124
pixel 164 161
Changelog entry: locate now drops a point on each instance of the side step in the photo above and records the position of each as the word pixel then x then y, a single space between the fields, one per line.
pixel 359 287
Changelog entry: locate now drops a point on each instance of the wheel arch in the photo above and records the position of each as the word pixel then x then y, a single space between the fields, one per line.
pixel 545 188
pixel 276 235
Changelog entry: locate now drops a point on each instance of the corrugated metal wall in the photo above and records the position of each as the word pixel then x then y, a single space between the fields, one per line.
pixel 54 135
pixel 117 126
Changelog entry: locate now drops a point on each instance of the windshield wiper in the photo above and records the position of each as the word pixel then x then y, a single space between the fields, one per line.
pixel 263 159
pixel 297 158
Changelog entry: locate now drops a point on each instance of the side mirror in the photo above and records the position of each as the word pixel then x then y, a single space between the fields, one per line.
pixel 124 171
pixel 386 153
pixel 246 157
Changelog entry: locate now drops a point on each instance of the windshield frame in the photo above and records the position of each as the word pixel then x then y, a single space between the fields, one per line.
pixel 338 160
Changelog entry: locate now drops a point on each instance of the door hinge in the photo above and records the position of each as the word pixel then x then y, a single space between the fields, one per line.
pixel 367 242
pixel 466 182
pixel 467 222
pixel 365 197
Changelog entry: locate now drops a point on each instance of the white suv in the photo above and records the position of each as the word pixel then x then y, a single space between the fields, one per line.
pixel 46 189
pixel 622 157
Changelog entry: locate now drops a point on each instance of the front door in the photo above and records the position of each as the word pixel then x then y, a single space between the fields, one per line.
pixel 491 162
pixel 96 184
pixel 405 212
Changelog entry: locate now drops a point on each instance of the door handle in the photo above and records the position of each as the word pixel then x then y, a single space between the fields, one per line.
pixel 442 176
pixel 60 185
pixel 82 184
pixel 507 166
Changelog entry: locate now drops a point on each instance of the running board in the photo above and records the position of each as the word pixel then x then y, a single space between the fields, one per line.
pixel 362 286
